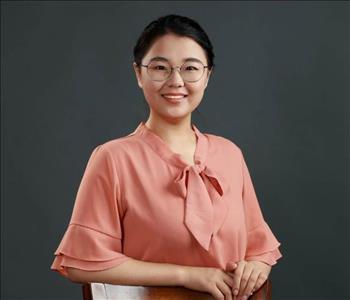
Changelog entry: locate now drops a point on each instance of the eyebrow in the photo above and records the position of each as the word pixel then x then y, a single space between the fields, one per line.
pixel 161 58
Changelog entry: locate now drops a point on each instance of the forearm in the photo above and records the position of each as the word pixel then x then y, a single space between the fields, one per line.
pixel 133 272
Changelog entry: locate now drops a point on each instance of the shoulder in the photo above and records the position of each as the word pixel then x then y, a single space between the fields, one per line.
pixel 128 144
pixel 219 142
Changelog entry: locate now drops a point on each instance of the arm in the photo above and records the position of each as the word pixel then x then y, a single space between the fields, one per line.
pixel 136 272
pixel 262 244
pixel 132 272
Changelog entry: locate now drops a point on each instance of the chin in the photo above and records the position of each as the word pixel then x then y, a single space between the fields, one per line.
pixel 173 115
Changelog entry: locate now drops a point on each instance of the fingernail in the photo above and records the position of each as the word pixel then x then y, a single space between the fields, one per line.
pixel 244 297
pixel 235 292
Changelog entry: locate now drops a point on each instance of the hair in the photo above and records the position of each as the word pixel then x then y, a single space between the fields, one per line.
pixel 179 25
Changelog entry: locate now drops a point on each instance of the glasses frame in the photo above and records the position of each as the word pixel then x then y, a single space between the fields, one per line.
pixel 172 69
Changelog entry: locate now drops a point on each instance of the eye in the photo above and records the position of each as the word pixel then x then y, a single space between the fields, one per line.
pixel 191 68
pixel 158 67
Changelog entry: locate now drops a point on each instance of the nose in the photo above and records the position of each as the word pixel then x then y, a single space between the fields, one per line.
pixel 175 77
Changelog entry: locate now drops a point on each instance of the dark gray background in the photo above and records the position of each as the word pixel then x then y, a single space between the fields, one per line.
pixel 280 91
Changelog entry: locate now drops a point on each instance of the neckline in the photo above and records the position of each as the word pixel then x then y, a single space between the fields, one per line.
pixel 162 149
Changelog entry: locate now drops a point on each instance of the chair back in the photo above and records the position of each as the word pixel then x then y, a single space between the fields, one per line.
pixel 104 291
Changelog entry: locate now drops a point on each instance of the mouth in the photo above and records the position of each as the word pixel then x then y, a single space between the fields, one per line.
pixel 174 98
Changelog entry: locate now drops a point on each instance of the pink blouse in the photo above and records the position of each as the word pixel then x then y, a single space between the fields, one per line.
pixel 138 199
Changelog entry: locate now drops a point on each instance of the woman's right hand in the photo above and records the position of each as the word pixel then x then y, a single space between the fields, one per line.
pixel 215 281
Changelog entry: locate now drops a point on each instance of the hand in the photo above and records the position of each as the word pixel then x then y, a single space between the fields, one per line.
pixel 248 277
pixel 211 280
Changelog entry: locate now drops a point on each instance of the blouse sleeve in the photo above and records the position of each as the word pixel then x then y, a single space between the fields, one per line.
pixel 93 238
pixel 262 245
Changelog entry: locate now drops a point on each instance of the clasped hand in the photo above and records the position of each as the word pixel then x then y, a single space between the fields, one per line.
pixel 248 276
pixel 236 281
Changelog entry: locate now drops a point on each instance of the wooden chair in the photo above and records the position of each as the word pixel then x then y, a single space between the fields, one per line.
pixel 103 291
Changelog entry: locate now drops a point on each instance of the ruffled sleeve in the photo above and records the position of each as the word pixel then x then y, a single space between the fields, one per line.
pixel 93 239
pixel 262 245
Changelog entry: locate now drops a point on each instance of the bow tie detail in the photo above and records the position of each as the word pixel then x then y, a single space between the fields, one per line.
pixel 201 188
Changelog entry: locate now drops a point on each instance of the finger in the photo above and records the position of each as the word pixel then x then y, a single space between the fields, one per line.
pixel 231 266
pixel 260 281
pixel 228 280
pixel 237 277
pixel 245 278
pixel 225 289
pixel 248 290
pixel 216 293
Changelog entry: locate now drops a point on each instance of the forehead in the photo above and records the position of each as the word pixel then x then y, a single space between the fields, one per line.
pixel 175 49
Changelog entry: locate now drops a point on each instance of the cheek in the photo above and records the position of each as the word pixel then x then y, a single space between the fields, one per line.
pixel 151 88
pixel 156 87
pixel 196 87
pixel 195 94
pixel 152 94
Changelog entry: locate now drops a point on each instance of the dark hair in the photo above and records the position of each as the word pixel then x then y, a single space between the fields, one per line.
pixel 180 25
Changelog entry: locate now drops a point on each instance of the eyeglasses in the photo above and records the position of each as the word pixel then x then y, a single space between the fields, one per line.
pixel 190 71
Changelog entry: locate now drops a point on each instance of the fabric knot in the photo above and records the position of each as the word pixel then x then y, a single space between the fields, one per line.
pixel 200 186
pixel 199 167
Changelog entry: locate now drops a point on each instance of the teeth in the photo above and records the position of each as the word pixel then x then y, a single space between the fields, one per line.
pixel 173 97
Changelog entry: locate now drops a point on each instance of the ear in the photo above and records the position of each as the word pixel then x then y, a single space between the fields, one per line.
pixel 137 70
pixel 207 79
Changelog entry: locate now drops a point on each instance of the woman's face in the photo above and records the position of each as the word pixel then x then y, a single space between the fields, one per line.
pixel 175 49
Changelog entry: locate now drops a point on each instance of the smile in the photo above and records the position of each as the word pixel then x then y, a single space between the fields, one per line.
pixel 174 99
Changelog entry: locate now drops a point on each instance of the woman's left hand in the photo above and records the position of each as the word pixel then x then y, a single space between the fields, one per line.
pixel 248 276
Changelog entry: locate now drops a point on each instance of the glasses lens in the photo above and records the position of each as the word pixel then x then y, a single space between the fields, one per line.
pixel 159 70
pixel 192 71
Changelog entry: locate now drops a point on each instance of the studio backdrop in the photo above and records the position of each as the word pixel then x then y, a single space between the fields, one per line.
pixel 280 91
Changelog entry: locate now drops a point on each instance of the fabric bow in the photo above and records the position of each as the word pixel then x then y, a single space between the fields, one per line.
pixel 200 186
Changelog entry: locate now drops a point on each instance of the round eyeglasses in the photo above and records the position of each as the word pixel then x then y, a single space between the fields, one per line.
pixel 190 71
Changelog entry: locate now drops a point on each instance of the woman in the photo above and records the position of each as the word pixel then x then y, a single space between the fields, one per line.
pixel 168 204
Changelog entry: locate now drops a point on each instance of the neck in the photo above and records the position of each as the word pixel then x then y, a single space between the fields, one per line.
pixel 172 132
